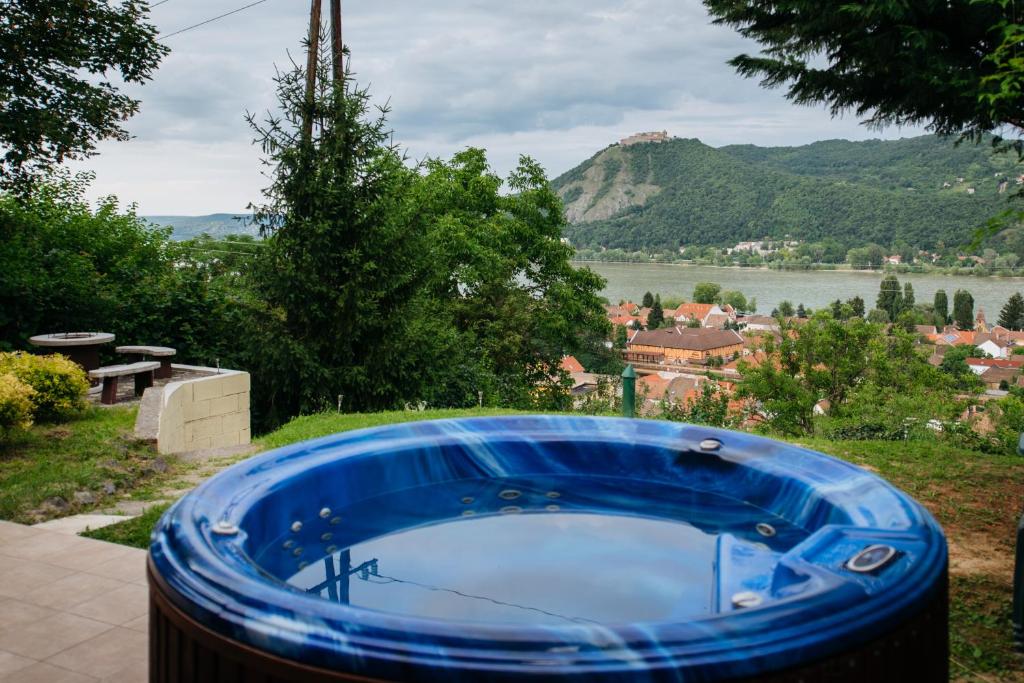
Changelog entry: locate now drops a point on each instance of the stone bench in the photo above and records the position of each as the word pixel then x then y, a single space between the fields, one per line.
pixel 139 353
pixel 142 371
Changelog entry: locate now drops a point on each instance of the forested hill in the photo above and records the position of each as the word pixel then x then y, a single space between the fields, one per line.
pixel 661 196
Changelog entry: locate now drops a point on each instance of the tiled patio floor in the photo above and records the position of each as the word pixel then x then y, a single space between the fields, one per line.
pixel 72 609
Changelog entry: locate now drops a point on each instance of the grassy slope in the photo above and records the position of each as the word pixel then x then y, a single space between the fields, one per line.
pixel 978 500
pixel 323 424
pixel 82 455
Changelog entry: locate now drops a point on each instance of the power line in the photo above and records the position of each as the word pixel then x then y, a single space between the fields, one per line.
pixel 211 20
pixel 157 4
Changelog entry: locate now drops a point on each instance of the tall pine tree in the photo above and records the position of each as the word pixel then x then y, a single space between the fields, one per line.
pixel 656 317
pixel 941 308
pixel 1012 315
pixel 908 297
pixel 890 297
pixel 963 309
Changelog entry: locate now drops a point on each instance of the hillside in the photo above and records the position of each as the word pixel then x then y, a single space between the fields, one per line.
pixel 683 192
pixel 214 225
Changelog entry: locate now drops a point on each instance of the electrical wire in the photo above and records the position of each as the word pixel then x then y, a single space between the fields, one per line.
pixel 157 4
pixel 211 20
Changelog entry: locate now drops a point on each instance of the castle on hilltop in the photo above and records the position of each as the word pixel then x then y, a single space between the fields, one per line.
pixel 645 137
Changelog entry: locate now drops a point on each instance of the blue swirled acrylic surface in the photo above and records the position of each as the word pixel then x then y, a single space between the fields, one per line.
pixel 593 548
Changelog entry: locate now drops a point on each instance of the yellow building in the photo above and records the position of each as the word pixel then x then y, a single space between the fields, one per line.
pixel 678 344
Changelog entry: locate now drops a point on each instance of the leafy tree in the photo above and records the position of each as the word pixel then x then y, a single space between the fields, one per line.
pixel 735 299
pixel 950 66
pixel 955 366
pixel 516 302
pixel 710 407
pixel 621 337
pixel 1012 315
pixel 693 323
pixel 857 306
pixel 963 309
pixel 59 88
pixel 890 298
pixel 66 266
pixel 832 360
pixel 941 308
pixel 707 293
pixel 657 316
pixel 786 309
pixel 878 317
pixel 836 308
pixel 800 312
pixel 648 300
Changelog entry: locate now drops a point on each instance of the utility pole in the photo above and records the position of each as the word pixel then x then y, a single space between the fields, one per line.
pixel 337 47
pixel 311 64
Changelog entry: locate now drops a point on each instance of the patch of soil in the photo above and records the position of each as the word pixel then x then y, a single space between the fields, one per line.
pixel 978 554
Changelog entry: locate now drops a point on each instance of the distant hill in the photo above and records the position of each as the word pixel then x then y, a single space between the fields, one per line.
pixel 214 225
pixel 661 196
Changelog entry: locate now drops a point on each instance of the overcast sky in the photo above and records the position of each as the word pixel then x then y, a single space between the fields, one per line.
pixel 555 79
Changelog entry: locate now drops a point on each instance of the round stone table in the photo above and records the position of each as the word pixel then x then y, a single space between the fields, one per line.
pixel 81 347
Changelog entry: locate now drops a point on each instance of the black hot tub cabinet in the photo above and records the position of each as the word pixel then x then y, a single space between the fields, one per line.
pixel 534 548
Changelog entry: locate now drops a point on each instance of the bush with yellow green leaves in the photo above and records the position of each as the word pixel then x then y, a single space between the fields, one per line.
pixel 15 405
pixel 59 385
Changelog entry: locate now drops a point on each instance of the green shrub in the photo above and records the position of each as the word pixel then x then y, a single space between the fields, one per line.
pixel 59 385
pixel 15 405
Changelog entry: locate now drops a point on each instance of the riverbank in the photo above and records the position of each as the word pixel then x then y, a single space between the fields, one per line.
pixel 814 289
pixel 1017 274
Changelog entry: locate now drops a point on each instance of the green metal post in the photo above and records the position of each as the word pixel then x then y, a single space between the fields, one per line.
pixel 629 392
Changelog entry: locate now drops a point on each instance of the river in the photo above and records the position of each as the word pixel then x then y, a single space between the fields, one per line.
pixel 815 288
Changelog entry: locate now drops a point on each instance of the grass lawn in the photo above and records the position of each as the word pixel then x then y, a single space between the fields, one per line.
pixel 134 532
pixel 323 424
pixel 87 455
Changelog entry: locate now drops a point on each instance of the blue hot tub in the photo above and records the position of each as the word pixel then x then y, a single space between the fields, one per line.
pixel 541 547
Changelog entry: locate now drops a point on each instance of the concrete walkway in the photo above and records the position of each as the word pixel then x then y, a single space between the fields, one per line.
pixel 72 609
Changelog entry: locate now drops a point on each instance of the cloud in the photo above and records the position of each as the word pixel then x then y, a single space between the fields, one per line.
pixel 556 80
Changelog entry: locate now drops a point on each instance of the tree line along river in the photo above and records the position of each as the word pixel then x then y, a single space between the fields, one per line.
pixel 814 289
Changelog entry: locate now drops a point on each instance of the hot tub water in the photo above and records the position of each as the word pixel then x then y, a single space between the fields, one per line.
pixel 578 549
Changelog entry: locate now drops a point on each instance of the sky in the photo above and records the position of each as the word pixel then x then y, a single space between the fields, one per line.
pixel 557 80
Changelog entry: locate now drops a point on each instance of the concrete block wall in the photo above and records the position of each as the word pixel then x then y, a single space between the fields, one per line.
pixel 208 412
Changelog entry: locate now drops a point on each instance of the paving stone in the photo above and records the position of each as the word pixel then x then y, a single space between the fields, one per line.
pixel 23 576
pixel 47 637
pixel 70 591
pixel 9 531
pixel 92 555
pixel 136 672
pixel 10 662
pixel 118 607
pixel 17 613
pixel 141 624
pixel 47 673
pixel 104 655
pixel 127 569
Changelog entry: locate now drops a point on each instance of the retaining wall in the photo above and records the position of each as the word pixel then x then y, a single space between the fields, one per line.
pixel 208 412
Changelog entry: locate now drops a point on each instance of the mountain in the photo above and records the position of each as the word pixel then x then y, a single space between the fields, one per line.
pixel 214 225
pixel 663 195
